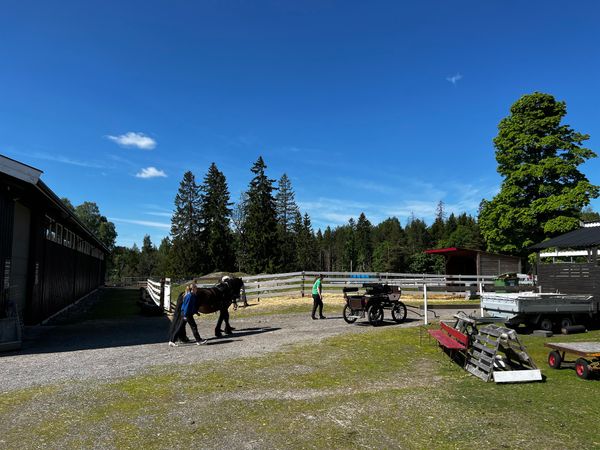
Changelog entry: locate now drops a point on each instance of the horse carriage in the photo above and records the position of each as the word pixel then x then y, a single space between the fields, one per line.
pixel 377 298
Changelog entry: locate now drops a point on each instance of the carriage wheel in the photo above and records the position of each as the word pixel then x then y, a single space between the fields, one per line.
pixel 348 312
pixel 375 314
pixel 582 368
pixel 399 312
pixel 554 359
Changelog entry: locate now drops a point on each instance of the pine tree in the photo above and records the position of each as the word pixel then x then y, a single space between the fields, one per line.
pixel 186 229
pixel 147 260
pixel 390 242
pixel 364 244
pixel 438 227
pixel 305 243
pixel 286 208
pixel 260 226
pixel 215 216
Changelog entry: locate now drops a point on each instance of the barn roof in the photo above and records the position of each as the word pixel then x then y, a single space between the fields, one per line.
pixel 31 176
pixel 586 237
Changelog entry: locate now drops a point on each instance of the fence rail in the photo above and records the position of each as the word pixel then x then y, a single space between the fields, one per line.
pixel 300 283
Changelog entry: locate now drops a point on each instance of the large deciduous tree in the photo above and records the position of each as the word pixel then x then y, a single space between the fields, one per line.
pixel 543 190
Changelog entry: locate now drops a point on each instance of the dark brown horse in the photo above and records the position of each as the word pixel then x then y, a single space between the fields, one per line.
pixel 210 300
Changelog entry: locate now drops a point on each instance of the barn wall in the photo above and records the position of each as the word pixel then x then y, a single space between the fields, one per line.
pixel 493 265
pixel 570 278
pixel 6 231
pixel 68 269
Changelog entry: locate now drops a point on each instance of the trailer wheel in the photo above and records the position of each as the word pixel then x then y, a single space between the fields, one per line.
pixel 546 324
pixel 582 368
pixel 554 359
pixel 565 322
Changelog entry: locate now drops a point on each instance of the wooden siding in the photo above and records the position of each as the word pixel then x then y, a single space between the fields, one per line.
pixel 568 278
pixel 7 208
pixel 492 265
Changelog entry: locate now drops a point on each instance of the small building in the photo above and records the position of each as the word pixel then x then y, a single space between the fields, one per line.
pixel 48 258
pixel 462 261
pixel 578 276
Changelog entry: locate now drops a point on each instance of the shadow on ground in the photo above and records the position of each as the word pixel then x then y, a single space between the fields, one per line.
pixel 115 321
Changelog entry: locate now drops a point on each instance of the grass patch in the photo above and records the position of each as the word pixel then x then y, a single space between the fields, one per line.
pixel 379 389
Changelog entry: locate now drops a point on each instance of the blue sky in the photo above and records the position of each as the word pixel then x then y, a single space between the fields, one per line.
pixel 385 107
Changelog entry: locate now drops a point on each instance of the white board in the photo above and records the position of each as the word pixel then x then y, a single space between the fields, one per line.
pixel 516 376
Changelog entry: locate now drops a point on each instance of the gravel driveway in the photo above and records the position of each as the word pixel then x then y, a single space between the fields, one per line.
pixel 109 349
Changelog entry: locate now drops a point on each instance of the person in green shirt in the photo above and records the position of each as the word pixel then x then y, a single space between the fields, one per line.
pixel 317 295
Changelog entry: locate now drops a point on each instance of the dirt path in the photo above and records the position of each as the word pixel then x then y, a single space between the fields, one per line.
pixel 104 350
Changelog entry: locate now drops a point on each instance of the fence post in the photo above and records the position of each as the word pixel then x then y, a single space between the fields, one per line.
pixel 303 284
pixel 425 319
pixel 162 293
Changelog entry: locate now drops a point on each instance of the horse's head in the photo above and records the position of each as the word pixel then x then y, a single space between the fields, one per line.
pixel 236 286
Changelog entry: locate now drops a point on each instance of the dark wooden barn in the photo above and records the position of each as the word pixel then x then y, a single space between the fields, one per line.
pixel 461 261
pixel 48 258
pixel 581 277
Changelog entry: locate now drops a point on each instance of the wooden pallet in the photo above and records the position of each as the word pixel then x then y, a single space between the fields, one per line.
pixel 495 351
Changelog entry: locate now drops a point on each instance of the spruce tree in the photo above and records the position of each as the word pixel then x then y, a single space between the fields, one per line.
pixel 364 243
pixel 286 208
pixel 215 214
pixel 186 229
pixel 147 260
pixel 260 226
pixel 305 243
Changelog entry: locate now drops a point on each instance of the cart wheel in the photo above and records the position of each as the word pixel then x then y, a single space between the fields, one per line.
pixel 565 322
pixel 399 312
pixel 348 312
pixel 546 324
pixel 582 368
pixel 554 359
pixel 375 314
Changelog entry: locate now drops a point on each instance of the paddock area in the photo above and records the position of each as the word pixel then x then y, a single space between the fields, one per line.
pixel 109 380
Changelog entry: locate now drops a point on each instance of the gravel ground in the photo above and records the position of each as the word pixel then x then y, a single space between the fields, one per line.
pixel 104 350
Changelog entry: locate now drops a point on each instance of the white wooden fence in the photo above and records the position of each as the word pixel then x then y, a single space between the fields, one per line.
pixel 160 292
pixel 300 283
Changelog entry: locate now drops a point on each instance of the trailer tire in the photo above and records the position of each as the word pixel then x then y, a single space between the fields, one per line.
pixel 554 359
pixel 546 324
pixel 566 322
pixel 582 368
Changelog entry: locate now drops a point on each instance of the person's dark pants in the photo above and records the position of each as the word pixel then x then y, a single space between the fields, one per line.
pixel 192 323
pixel 177 332
pixel 317 302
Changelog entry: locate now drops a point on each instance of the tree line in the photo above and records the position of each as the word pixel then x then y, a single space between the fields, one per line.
pixel 543 194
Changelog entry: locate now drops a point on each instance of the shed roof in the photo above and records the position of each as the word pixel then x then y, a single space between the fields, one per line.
pixel 585 237
pixel 456 251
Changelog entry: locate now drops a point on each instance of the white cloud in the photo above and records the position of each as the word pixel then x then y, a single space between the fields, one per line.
pixel 150 172
pixel 454 78
pixel 132 139
pixel 145 223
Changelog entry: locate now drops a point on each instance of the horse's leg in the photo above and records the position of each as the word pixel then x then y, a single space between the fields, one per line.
pixel 218 332
pixel 228 328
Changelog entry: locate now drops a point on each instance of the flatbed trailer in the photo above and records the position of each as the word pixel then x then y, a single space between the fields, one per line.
pixel 588 352
pixel 546 310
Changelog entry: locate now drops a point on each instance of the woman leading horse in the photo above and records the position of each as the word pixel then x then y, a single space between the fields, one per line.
pixel 210 300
